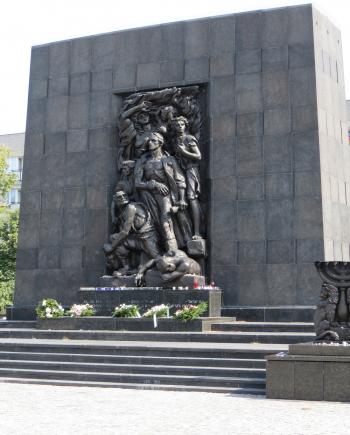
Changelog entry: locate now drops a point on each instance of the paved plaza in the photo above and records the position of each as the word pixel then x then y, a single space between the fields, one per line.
pixel 61 410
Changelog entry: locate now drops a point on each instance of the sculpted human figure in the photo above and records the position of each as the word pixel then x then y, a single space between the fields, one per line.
pixel 172 265
pixel 188 154
pixel 136 233
pixel 161 185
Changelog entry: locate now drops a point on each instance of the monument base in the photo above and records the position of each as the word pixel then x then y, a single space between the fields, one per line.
pixel 202 324
pixel 310 371
pixel 105 299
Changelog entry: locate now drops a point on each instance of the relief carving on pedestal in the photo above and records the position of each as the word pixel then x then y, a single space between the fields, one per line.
pixel 157 219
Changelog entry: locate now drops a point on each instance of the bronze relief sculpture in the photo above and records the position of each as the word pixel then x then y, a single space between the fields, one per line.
pixel 156 212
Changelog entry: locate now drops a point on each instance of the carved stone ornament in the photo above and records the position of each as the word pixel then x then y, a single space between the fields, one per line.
pixel 157 221
pixel 332 315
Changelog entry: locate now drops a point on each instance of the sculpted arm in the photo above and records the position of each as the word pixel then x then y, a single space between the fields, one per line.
pixel 117 238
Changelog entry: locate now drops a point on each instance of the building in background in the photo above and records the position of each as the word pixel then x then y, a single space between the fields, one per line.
pixel 347 102
pixel 15 143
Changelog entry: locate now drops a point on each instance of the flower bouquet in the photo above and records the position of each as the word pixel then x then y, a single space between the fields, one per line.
pixel 190 312
pixel 82 310
pixel 48 309
pixel 124 310
pixel 158 310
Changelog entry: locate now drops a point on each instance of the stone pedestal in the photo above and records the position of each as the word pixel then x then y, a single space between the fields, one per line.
pixel 105 299
pixel 310 372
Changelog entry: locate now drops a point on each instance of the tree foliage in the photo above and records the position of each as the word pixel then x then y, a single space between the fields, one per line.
pixel 7 180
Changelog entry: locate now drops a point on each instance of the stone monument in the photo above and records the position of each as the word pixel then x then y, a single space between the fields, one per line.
pixel 221 144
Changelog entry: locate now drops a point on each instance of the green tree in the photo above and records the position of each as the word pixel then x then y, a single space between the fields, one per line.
pixel 8 233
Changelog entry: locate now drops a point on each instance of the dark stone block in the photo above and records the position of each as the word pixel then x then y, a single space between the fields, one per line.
pixel 173 41
pixel 171 71
pixel 277 154
pixel 125 48
pixel 30 201
pixel 281 283
pixel 252 252
pixel 251 220
pixel 101 81
pixel 280 251
pixel 222 35
pixel 275 88
pixel 55 143
pixel 197 69
pixel 307 184
pixel 223 220
pixel 77 140
pixel 102 53
pixel 99 109
pixel 248 62
pixel 226 167
pixel 96 226
pixel 301 55
pixel 34 145
pixel 308 218
pixel 307 281
pixel 37 89
pixel 80 84
pixel 50 229
pixel 31 173
pixel 80 55
pixel 74 197
pixel 221 65
pixel 250 188
pixel 196 38
pixel 279 185
pixel 306 151
pixel 223 253
pixel 336 381
pixel 223 127
pixel 309 380
pixel 36 116
pixel 274 59
pixel 300 29
pixel 227 276
pixel 248 93
pixel 124 76
pixel 57 114
pixel 39 63
pixel 96 197
pixel 101 168
pixel 248 31
pixel 222 95
pixel 100 138
pixel 75 173
pixel 250 124
pixel 148 74
pixel 224 188
pixel 26 259
pixel 309 250
pixel 149 43
pixel 71 257
pixel 274 24
pixel 49 258
pixel 279 219
pixel 277 121
pixel 59 58
pixel 280 380
pixel 302 86
pixel 249 156
pixel 58 86
pixel 304 118
pixel 73 226
pixel 252 283
pixel 78 116
pixel 51 199
pixel 52 168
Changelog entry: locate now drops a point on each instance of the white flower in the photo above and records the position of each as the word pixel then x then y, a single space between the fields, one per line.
pixel 48 315
pixel 48 310
pixel 44 303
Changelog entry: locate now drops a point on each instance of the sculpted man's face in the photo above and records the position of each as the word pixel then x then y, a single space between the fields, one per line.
pixel 121 198
pixel 143 117
pixel 179 126
pixel 154 142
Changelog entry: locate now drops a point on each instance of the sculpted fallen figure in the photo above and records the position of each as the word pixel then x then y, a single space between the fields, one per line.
pixel 172 265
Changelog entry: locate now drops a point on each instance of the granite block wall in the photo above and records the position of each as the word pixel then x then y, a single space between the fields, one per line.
pixel 273 143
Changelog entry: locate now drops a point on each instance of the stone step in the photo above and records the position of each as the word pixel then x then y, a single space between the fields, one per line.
pixel 294 327
pixel 17 324
pixel 142 349
pixel 213 337
pixel 164 387
pixel 131 360
pixel 134 369
pixel 212 381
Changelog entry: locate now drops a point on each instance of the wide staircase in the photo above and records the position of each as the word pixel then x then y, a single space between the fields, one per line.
pixel 229 359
